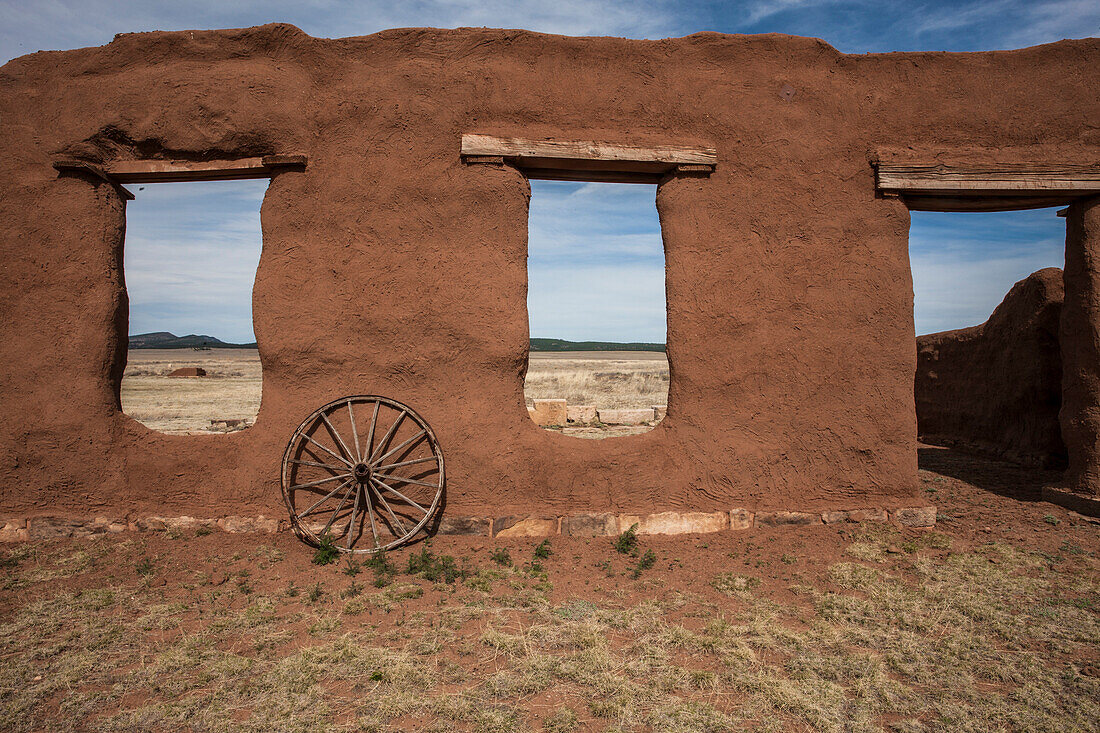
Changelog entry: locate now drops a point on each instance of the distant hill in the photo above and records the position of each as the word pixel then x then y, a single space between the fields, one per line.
pixel 561 345
pixel 165 340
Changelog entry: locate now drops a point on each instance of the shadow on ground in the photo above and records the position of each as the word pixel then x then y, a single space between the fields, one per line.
pixel 1000 477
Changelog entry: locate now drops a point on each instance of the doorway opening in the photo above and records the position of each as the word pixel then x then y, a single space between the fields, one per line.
pixel 987 308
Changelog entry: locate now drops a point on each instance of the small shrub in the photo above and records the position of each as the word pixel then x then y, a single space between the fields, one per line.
pixel 1052 520
pixel 326 551
pixel 315 593
pixel 203 531
pixel 352 590
pixel 627 542
pixel 502 557
pixel 291 589
pixel 788 559
pixel 648 560
pixel 436 568
pixel 543 551
pixel 384 570
pixel 352 566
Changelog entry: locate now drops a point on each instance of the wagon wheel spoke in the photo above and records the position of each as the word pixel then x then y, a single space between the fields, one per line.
pixel 318 465
pixel 370 513
pixel 386 505
pixel 413 439
pixel 326 479
pixel 407 463
pixel 410 481
pixel 336 434
pixel 354 433
pixel 370 435
pixel 351 522
pixel 382 444
pixel 406 499
pixel 336 513
pixel 323 499
pixel 326 450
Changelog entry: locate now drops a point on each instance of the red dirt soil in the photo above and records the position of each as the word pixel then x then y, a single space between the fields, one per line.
pixel 981 501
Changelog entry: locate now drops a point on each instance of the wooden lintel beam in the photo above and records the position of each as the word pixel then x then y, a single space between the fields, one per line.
pixel 918 202
pixel 166 171
pixel 1005 180
pixel 83 166
pixel 587 160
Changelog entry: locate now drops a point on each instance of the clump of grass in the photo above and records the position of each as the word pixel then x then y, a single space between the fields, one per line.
pixel 1052 520
pixel 327 552
pixel 436 568
pixel 543 551
pixel 627 542
pixel 733 584
pixel 315 593
pixel 203 531
pixel 352 566
pixel 501 557
pixel 352 590
pixel 564 720
pixel 648 560
pixel 384 570
pixel 145 567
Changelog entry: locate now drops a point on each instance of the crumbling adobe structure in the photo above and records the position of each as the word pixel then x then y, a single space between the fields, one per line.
pixel 393 266
pixel 997 388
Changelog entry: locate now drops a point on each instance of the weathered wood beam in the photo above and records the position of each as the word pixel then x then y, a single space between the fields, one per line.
pixel 168 171
pixel 1005 179
pixel 586 160
pixel 1002 187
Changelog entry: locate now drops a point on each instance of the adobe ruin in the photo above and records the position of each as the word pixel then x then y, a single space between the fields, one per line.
pixel 394 258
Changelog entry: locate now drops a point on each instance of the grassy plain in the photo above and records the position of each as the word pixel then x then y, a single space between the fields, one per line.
pixel 989 623
pixel 231 389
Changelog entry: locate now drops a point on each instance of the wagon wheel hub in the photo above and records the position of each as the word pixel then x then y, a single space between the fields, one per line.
pixel 362 472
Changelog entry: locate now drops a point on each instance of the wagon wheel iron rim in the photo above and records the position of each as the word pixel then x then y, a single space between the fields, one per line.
pixel 365 470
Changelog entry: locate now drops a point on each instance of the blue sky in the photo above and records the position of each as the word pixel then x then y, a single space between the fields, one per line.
pixel 585 239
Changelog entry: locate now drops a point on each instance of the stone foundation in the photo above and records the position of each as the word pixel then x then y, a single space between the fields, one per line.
pixel 578 525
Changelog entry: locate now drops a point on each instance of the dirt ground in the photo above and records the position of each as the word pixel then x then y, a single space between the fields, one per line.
pixel 231 389
pixel 989 622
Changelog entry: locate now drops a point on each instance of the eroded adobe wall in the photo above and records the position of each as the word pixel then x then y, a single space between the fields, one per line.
pixel 390 267
pixel 997 388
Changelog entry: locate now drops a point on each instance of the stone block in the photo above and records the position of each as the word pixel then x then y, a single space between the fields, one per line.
pixel 676 522
pixel 590 525
pixel 924 516
pixel 867 515
pixel 516 526
pixel 834 517
pixel 549 412
pixel 241 525
pixel 149 524
pixel 633 416
pixel 777 519
pixel 14 530
pixel 41 528
pixel 659 412
pixel 740 519
pixel 465 526
pixel 580 413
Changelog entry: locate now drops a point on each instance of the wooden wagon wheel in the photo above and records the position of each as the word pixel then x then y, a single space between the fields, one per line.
pixel 362 468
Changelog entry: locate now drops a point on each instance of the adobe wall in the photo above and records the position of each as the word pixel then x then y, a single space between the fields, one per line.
pixel 997 388
pixel 390 267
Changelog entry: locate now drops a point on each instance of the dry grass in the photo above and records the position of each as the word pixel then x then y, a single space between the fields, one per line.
pixel 987 639
pixel 608 380
pixel 231 389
